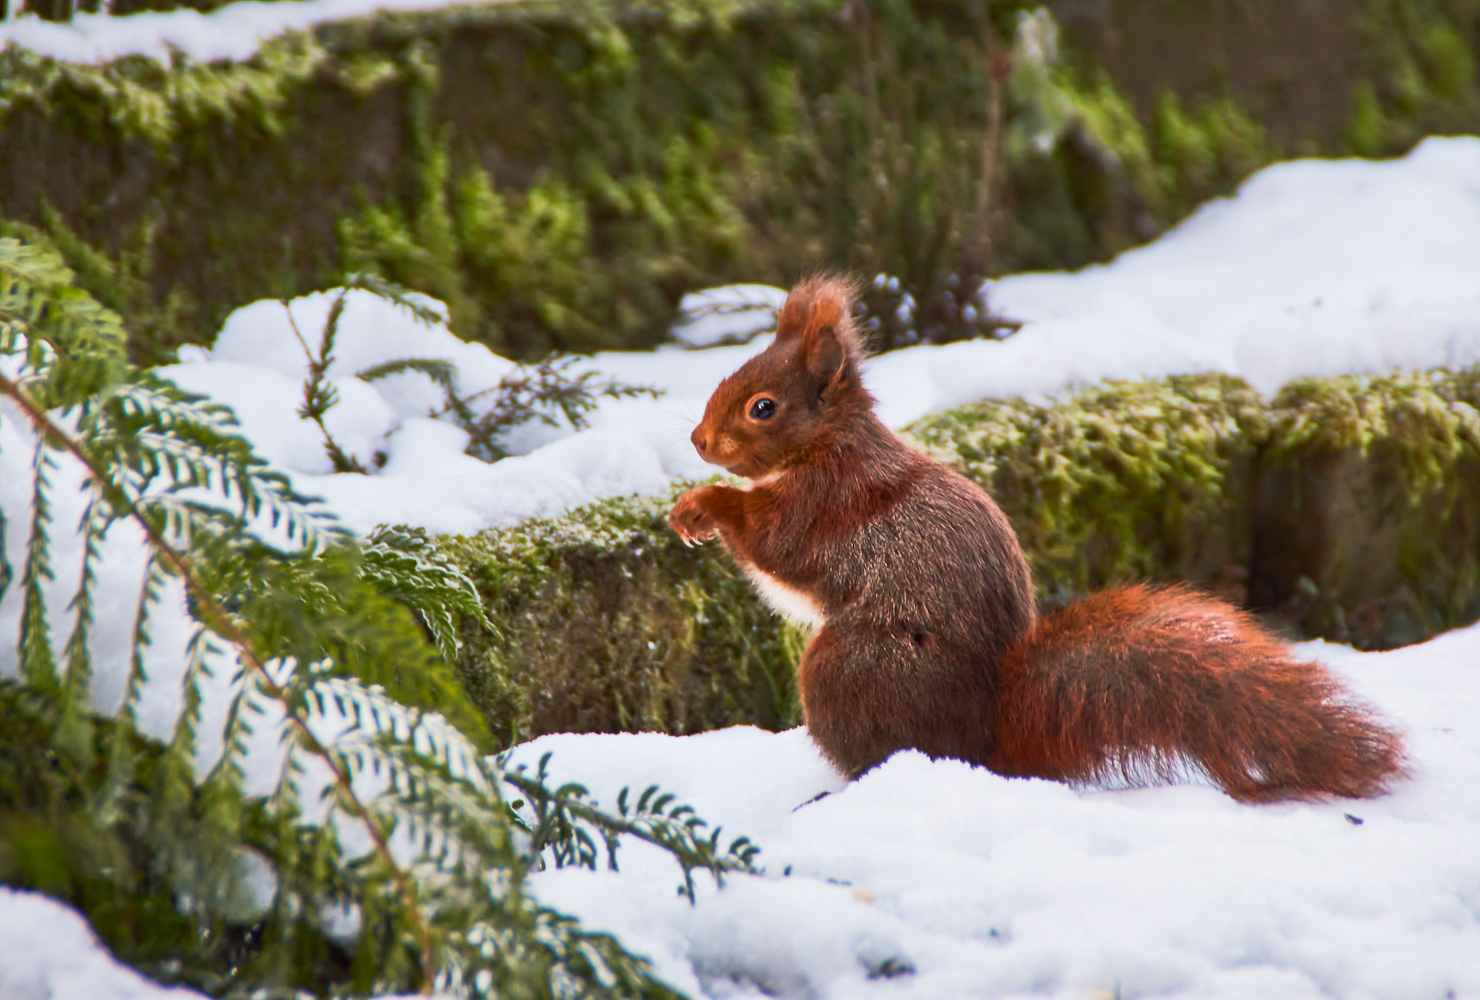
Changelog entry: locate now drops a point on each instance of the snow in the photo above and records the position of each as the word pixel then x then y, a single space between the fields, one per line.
pixel 50 953
pixel 232 33
pixel 994 887
pixel 983 886
pixel 730 315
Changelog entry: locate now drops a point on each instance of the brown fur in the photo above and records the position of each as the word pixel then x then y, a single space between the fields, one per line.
pixel 1135 680
pixel 929 638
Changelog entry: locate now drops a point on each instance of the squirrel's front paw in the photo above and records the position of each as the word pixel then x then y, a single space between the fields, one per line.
pixel 691 518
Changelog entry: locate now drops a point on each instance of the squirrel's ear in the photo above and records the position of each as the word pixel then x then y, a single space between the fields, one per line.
pixel 829 344
pixel 822 298
pixel 819 314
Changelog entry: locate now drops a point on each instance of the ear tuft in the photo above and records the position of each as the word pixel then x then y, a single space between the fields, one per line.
pixel 820 303
pixel 818 314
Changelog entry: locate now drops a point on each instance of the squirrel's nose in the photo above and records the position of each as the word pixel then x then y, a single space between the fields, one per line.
pixel 699 440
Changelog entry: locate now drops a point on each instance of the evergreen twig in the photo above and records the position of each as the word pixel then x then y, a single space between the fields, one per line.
pixel 562 819
pixel 318 395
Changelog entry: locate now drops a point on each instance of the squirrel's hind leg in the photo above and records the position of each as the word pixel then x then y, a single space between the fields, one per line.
pixel 869 690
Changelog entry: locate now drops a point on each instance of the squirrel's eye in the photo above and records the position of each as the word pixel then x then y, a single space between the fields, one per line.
pixel 763 408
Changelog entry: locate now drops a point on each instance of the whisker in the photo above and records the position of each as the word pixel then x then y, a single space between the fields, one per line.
pixel 673 419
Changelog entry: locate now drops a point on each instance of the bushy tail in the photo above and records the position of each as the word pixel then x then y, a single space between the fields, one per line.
pixel 1135 681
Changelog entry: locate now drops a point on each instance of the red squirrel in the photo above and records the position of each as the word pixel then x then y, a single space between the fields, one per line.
pixel 922 603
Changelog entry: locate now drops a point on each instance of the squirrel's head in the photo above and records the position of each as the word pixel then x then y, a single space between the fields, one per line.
pixel 786 404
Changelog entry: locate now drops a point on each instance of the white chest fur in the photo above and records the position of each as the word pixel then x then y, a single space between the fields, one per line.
pixel 787 600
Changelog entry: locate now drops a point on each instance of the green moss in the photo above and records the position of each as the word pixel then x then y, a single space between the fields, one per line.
pixel 1367 506
pixel 1123 480
pixel 1205 150
pixel 607 622
pixel 1424 74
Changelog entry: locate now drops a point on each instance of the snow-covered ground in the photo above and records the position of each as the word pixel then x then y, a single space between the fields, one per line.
pixel 995 887
pixel 1313 268
pixel 965 884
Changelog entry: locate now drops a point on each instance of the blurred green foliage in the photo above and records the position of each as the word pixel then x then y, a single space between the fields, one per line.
pixel 561 173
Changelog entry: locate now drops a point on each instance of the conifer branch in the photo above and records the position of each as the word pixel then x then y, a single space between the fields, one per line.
pixel 220 621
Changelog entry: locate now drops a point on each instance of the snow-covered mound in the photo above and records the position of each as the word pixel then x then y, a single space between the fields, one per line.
pixel 994 887
pixel 1313 268
pixel 48 952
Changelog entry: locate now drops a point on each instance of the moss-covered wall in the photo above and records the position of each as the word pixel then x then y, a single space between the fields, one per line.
pixel 607 622
pixel 1361 76
pixel 1125 480
pixel 561 172
pixel 1367 508
pixel 1345 508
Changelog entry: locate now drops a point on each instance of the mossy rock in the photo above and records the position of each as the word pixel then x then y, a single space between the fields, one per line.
pixel 1125 480
pixel 1346 508
pixel 607 622
pixel 1367 508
